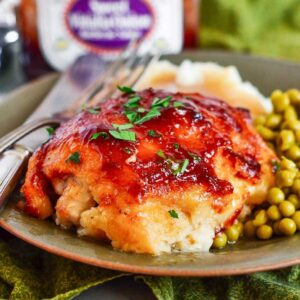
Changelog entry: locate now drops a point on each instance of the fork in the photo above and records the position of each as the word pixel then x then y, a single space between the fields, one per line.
pixel 127 70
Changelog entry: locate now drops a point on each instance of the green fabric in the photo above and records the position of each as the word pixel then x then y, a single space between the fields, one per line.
pixel 262 27
pixel 29 273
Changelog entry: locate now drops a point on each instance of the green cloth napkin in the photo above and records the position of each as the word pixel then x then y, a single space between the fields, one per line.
pixel 262 27
pixel 258 26
pixel 29 273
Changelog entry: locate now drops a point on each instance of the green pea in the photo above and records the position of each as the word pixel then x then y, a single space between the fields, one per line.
pixel 286 139
pixel 276 228
pixel 297 135
pixel 273 213
pixel 294 200
pixel 293 124
pixel 264 232
pixel 293 153
pixel 275 195
pixel 287 208
pixel 259 120
pixel 273 121
pixel 294 96
pixel 249 229
pixel 240 228
pixel 280 102
pixel 290 114
pixel 285 178
pixel 287 164
pixel 296 219
pixel 287 226
pixel 260 218
pixel 232 234
pixel 220 240
pixel 266 133
pixel 296 186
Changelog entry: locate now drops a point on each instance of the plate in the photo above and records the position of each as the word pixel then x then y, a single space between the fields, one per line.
pixel 244 257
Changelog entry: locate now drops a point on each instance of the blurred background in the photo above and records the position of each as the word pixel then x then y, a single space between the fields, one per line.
pixel 38 36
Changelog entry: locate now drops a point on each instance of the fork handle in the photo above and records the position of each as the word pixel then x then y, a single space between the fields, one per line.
pixel 12 163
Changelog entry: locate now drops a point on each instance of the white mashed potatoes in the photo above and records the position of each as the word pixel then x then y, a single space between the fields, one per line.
pixel 207 78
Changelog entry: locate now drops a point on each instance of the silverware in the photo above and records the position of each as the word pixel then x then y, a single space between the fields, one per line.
pixel 127 70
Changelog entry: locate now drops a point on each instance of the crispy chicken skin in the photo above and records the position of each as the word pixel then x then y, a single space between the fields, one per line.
pixel 188 174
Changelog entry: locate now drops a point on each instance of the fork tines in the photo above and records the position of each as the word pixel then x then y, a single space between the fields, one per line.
pixel 126 70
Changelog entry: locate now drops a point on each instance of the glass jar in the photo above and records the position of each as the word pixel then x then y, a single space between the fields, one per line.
pixel 55 32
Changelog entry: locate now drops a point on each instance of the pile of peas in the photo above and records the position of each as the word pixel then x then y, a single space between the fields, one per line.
pixel 280 214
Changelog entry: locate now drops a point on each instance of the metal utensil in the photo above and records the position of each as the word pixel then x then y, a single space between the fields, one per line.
pixel 125 70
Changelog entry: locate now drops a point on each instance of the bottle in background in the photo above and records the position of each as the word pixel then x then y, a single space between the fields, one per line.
pixel 56 32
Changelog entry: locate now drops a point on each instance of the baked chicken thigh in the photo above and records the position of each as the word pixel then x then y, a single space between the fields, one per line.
pixel 150 171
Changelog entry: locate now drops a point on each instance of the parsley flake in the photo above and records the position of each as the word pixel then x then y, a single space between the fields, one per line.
pixel 275 164
pixel 74 158
pixel 173 214
pixel 177 104
pixel 154 112
pixel 122 126
pixel 92 110
pixel 132 116
pixel 123 135
pixel 157 102
pixel 184 166
pixel 176 146
pixel 50 131
pixel 161 154
pixel 153 133
pixel 194 156
pixel 97 134
pixel 126 89
pixel 133 102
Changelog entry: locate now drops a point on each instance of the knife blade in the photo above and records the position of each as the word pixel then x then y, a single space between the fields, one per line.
pixel 72 84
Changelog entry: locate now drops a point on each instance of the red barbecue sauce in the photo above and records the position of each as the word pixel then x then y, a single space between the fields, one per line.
pixel 200 127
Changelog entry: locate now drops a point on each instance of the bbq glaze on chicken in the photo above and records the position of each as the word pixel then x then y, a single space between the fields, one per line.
pixel 150 171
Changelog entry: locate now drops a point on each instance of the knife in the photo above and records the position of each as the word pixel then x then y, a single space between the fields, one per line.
pixel 73 83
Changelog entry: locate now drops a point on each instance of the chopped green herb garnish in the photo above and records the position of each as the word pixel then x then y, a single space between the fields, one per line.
pixel 157 102
pixel 126 89
pixel 176 145
pixel 194 156
pixel 122 126
pixel 275 164
pixel 153 133
pixel 177 168
pixel 91 110
pixel 161 154
pixel 97 134
pixel 123 135
pixel 154 112
pixel 132 102
pixel 50 130
pixel 74 157
pixel 132 116
pixel 184 166
pixel 173 214
pixel 127 150
pixel 177 104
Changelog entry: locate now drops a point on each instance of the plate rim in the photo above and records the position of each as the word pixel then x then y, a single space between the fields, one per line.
pixel 146 270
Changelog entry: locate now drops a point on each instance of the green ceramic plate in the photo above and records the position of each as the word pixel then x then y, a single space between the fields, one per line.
pixel 244 257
